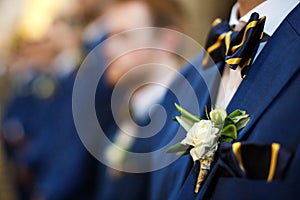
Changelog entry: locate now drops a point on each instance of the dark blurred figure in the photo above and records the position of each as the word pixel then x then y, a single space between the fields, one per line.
pixel 7 190
pixel 49 158
pixel 132 68
pixel 94 31
pixel 87 11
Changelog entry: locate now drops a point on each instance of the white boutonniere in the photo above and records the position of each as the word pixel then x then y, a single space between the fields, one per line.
pixel 203 136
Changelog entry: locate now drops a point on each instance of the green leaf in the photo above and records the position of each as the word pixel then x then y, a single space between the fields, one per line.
pixel 184 123
pixel 229 131
pixel 239 118
pixel 206 113
pixel 182 153
pixel 187 114
pixel 236 113
pixel 242 123
pixel 225 139
pixel 227 121
pixel 178 148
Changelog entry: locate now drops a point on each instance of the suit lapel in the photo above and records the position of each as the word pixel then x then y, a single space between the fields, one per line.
pixel 272 70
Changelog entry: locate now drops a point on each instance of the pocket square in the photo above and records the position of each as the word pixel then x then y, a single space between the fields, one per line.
pixel 254 161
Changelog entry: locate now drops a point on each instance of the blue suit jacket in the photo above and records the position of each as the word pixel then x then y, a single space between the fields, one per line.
pixel 124 185
pixel 270 94
pixel 51 150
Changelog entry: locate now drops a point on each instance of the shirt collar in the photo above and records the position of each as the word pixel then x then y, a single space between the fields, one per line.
pixel 274 10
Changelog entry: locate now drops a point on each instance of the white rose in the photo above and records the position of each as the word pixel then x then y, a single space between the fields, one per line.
pixel 218 115
pixel 202 136
pixel 200 133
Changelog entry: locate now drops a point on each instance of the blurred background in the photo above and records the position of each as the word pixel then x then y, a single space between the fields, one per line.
pixel 42 42
pixel 27 25
pixel 30 26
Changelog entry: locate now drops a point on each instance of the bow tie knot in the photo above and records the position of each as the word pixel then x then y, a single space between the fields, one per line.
pixel 235 48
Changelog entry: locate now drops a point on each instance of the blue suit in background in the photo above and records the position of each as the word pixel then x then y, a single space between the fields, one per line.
pixel 42 139
pixel 113 184
pixel 270 94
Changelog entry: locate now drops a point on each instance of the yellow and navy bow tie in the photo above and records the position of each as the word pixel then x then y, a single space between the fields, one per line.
pixel 235 48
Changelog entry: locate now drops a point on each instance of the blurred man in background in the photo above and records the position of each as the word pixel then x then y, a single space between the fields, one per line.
pixel 49 159
pixel 140 75
pixel 7 186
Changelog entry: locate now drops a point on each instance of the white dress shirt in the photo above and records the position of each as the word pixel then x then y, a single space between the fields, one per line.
pixel 275 12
